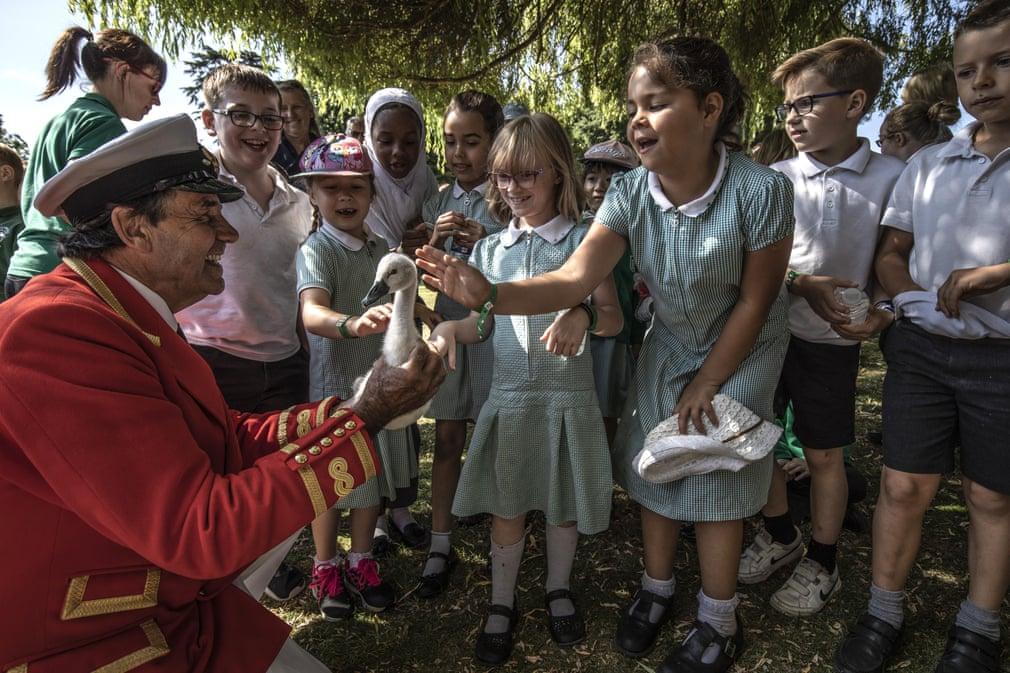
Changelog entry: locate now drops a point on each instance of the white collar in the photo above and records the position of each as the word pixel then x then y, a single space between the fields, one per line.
pixel 552 231
pixel 458 191
pixel 281 185
pixel 156 301
pixel 855 162
pixel 699 205
pixel 352 243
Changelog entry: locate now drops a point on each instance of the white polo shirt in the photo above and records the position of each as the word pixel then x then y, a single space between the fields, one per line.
pixel 955 202
pixel 256 316
pixel 838 210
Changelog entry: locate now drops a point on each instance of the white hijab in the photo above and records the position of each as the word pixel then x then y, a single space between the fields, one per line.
pixel 397 201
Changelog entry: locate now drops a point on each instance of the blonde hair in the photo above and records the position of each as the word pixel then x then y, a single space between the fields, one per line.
pixel 845 63
pixel 529 142
pixel 926 123
pixel 931 85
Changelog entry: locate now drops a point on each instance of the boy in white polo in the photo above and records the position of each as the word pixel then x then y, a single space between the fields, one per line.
pixel 947 392
pixel 841 189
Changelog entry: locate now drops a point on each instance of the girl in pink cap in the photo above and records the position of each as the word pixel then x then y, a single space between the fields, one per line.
pixel 336 266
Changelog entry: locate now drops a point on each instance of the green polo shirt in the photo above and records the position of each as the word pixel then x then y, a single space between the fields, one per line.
pixel 86 125
pixel 10 225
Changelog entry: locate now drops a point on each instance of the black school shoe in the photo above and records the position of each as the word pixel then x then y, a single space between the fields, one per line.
pixel 413 534
pixel 570 629
pixel 435 584
pixel 635 633
pixel 495 649
pixel 286 583
pixel 688 657
pixel 867 647
pixel 969 652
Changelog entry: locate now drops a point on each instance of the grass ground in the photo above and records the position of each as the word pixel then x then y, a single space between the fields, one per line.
pixel 438 636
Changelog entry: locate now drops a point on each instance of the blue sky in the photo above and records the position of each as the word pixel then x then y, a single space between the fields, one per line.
pixel 28 35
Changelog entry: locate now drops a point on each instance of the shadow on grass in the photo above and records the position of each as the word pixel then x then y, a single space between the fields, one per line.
pixel 438 636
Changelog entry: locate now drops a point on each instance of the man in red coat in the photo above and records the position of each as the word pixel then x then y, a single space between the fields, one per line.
pixel 131 496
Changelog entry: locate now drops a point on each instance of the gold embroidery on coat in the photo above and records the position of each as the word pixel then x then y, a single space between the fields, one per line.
pixel 22 668
pixel 282 426
pixel 290 448
pixel 157 647
pixel 103 291
pixel 364 455
pixel 303 423
pixel 75 606
pixel 321 411
pixel 340 412
pixel 343 481
pixel 315 490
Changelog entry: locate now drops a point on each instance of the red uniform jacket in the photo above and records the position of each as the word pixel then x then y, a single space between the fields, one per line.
pixel 131 496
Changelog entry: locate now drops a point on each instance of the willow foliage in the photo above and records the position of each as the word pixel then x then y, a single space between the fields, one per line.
pixel 567 57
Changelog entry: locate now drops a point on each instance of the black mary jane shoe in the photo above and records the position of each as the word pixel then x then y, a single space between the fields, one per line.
pixel 635 633
pixel 968 652
pixel 413 534
pixel 495 649
pixel 867 647
pixel 569 629
pixel 435 584
pixel 688 657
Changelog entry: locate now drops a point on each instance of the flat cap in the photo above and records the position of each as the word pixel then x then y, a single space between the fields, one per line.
pixel 154 157
pixel 612 152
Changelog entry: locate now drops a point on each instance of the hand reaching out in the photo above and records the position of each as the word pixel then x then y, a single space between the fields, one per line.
pixel 453 277
pixel 373 321
pixel 564 336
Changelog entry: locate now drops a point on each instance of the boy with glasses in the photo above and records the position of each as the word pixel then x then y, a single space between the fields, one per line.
pixel 841 189
pixel 250 334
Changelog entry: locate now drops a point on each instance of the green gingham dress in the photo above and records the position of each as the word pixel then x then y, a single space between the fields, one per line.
pixel 539 442
pixel 465 388
pixel 325 261
pixel 693 266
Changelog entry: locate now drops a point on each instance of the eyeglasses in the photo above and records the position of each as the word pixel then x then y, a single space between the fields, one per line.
pixel 805 104
pixel 884 138
pixel 156 80
pixel 248 119
pixel 524 179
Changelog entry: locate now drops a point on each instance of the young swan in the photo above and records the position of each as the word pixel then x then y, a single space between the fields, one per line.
pixel 396 273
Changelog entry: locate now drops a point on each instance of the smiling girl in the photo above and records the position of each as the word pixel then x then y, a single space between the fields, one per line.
pixel 458 217
pixel 539 442
pixel 710 232
pixel 336 268
pixel 126 77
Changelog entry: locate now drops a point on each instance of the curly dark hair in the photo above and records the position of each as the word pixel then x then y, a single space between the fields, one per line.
pixel 90 238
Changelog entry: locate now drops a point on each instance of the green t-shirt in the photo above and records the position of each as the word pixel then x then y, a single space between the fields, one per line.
pixel 86 125
pixel 10 225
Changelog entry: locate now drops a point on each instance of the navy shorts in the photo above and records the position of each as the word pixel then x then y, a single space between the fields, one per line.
pixel 941 393
pixel 820 381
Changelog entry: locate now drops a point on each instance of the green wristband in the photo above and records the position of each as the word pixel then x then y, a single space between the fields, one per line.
pixel 342 327
pixel 485 313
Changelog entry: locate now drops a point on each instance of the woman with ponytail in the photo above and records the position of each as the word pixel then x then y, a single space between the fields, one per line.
pixel 126 76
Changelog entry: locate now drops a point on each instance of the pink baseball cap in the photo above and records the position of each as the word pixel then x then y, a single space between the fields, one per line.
pixel 334 155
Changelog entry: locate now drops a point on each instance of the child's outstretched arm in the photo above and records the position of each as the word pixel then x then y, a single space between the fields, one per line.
pixel 760 284
pixel 447 334
pixel 565 335
pixel 321 320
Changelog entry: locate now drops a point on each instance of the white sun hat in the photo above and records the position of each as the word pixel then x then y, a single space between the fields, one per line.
pixel 741 438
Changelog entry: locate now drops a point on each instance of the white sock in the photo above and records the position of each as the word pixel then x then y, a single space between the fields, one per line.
pixel 442 543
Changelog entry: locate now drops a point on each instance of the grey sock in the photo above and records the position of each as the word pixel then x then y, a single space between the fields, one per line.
pixel 888 606
pixel 561 544
pixel 662 588
pixel 721 616
pixel 442 543
pixel 381 526
pixel 979 620
pixel 505 559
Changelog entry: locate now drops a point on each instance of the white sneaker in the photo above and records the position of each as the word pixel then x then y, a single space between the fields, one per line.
pixel 807 589
pixel 764 556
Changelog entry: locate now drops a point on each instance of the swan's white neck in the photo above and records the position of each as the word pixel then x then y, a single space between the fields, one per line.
pixel 402 333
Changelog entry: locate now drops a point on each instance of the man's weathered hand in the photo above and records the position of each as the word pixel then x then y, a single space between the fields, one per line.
pixel 394 391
